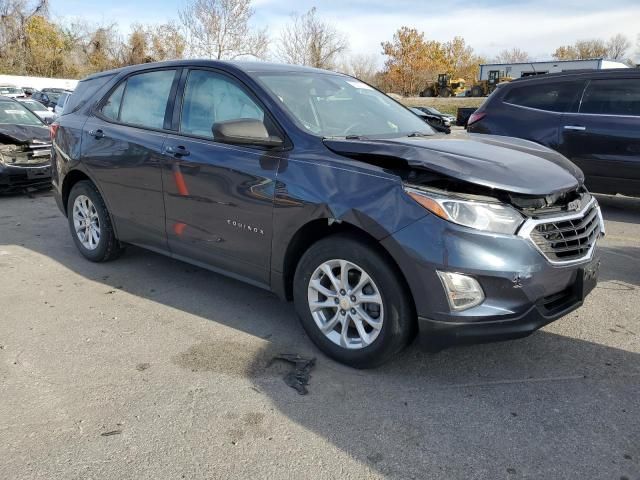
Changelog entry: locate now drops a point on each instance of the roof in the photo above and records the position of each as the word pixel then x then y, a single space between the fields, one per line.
pixel 612 72
pixel 244 65
pixel 598 59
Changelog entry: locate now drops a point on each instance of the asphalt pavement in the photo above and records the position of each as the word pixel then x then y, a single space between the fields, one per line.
pixel 149 368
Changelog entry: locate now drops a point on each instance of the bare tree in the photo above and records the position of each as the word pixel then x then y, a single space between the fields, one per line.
pixel 361 66
pixel 220 29
pixel 167 43
pixel 307 40
pixel 514 55
pixel 617 47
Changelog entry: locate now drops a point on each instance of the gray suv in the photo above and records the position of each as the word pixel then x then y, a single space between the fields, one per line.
pixel 325 191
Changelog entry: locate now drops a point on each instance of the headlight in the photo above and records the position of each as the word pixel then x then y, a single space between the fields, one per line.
pixel 489 217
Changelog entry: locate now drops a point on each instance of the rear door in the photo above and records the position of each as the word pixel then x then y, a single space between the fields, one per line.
pixel 122 149
pixel 603 137
pixel 530 111
pixel 219 197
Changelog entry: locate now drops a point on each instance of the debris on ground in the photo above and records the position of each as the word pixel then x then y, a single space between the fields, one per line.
pixel 112 432
pixel 141 367
pixel 298 378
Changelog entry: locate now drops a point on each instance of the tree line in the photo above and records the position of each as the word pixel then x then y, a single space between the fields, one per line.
pixel 33 43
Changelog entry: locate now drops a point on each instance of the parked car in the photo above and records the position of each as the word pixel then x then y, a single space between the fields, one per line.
pixel 49 97
pixel 324 190
pixel 593 118
pixel 447 120
pixel 25 148
pixel 11 91
pixel 62 99
pixel 435 122
pixel 45 114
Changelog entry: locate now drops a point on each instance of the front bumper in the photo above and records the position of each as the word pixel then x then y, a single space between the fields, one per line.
pixel 523 290
pixel 440 334
pixel 16 178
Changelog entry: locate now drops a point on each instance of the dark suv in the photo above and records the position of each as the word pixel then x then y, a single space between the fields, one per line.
pixel 324 190
pixel 593 118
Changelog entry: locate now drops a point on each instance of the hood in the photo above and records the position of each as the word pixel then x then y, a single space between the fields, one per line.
pixel 22 134
pixel 503 163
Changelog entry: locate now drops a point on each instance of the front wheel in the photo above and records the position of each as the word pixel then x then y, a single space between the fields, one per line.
pixel 351 302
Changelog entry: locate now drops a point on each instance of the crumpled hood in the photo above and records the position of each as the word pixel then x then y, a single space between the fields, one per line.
pixel 22 134
pixel 503 163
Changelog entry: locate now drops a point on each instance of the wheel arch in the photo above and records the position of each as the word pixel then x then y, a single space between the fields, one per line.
pixel 70 179
pixel 315 230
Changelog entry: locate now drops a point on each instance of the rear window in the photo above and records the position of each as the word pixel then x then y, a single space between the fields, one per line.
pixel 553 97
pixel 612 97
pixel 85 91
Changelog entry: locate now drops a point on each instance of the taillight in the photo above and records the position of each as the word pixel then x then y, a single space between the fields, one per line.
pixel 53 128
pixel 476 116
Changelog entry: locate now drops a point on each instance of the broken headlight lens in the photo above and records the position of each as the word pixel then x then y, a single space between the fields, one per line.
pixel 489 217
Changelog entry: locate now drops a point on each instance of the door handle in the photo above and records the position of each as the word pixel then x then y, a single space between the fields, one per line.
pixel 97 134
pixel 578 128
pixel 179 151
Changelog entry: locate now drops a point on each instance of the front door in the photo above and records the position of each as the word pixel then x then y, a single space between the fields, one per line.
pixel 603 138
pixel 122 149
pixel 218 197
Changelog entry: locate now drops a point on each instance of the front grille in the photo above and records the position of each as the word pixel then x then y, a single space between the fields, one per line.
pixel 567 240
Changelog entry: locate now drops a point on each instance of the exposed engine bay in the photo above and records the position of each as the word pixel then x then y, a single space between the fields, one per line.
pixel 478 168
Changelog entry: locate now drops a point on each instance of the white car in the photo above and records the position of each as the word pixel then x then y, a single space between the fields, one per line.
pixel 11 91
pixel 47 115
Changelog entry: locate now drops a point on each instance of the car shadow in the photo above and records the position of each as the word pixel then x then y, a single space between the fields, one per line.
pixel 547 406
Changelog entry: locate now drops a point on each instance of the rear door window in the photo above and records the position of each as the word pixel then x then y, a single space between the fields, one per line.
pixel 612 97
pixel 141 100
pixel 553 97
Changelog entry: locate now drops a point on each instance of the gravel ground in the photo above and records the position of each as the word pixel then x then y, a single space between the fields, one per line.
pixel 150 368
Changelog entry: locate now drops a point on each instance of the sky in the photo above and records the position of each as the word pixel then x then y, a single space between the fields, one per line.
pixel 536 26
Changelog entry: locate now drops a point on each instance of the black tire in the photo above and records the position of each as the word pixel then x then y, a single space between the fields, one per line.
pixel 399 321
pixel 476 91
pixel 427 93
pixel 445 92
pixel 108 247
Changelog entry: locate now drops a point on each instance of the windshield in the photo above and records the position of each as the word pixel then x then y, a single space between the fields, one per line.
pixel 34 106
pixel 340 106
pixel 16 114
pixel 10 91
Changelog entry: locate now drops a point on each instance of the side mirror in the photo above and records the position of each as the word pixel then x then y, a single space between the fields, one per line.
pixel 48 120
pixel 244 131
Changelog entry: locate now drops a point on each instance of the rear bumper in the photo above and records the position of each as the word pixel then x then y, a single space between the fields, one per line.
pixel 19 178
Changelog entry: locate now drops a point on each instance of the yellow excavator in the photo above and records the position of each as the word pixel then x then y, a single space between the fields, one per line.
pixel 482 88
pixel 445 86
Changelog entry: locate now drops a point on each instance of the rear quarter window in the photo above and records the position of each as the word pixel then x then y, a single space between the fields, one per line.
pixel 552 97
pixel 85 91
pixel 612 97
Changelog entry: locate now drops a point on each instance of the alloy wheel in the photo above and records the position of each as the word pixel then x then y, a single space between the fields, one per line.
pixel 345 304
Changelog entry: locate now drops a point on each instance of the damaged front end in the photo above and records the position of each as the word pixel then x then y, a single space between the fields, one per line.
pixel 501 186
pixel 24 166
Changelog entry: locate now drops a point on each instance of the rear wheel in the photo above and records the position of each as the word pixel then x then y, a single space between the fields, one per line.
pixel 445 92
pixel 427 93
pixel 90 223
pixel 476 91
pixel 352 303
